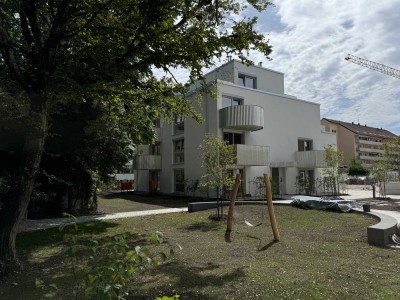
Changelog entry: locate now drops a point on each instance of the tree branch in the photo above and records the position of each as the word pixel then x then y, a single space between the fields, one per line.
pixel 7 52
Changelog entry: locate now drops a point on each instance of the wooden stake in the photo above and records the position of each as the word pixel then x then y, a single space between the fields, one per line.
pixel 232 203
pixel 271 207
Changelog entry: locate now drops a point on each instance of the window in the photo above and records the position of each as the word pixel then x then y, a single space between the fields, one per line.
pixel 247 81
pixel 157 123
pixel 155 149
pixel 179 155
pixel 305 145
pixel 333 130
pixel 233 138
pixel 179 180
pixel 179 126
pixel 230 101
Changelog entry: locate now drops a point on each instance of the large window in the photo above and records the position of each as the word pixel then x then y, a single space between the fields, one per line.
pixel 230 101
pixel 305 145
pixel 233 138
pixel 179 180
pixel 179 126
pixel 179 155
pixel 247 81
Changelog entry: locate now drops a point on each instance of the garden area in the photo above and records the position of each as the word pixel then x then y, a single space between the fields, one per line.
pixel 321 255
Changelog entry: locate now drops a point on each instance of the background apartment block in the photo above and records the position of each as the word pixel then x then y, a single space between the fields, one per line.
pixel 272 133
pixel 358 141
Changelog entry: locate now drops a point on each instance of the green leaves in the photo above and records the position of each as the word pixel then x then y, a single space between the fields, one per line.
pixel 106 274
pixel 217 157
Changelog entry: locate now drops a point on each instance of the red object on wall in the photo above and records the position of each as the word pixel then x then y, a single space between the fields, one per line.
pixel 152 185
pixel 125 186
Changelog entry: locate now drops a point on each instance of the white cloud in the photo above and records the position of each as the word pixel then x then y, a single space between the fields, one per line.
pixel 311 49
pixel 310 40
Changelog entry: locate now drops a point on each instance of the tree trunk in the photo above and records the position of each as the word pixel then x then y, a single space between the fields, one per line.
pixel 15 205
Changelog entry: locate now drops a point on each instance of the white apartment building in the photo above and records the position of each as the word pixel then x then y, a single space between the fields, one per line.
pixel 272 133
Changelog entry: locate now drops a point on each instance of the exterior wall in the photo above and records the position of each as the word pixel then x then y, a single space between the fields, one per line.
pixel 267 79
pixel 286 120
pixel 346 143
pixel 141 180
pixel 392 188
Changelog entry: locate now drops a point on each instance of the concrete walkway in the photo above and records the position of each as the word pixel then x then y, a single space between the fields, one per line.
pixel 31 225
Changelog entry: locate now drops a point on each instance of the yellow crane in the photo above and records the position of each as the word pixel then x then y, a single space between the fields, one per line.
pixel 373 66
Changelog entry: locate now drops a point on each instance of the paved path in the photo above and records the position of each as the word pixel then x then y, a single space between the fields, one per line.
pixel 31 225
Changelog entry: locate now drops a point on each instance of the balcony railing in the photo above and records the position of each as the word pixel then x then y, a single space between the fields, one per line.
pixel 360 142
pixel 147 162
pixel 310 159
pixel 242 117
pixel 371 150
pixel 249 155
pixel 365 157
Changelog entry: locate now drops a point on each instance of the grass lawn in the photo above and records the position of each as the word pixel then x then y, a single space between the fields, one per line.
pixel 120 202
pixel 322 255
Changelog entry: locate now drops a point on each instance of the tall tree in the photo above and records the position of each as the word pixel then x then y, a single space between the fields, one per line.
pixel 105 51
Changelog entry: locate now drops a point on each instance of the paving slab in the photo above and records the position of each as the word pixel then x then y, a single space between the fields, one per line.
pixel 31 225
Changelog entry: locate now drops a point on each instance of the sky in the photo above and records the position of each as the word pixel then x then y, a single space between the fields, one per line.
pixel 311 38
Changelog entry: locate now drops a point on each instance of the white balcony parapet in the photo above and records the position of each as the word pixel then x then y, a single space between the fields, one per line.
pixel 250 155
pixel 371 150
pixel 376 158
pixel 310 159
pixel 242 117
pixel 147 162
pixel 360 142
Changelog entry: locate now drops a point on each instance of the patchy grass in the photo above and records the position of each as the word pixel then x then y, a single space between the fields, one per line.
pixel 321 255
pixel 121 202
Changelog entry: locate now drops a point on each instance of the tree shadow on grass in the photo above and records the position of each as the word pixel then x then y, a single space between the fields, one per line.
pixel 187 281
pixel 43 249
pixel 203 226
pixel 47 237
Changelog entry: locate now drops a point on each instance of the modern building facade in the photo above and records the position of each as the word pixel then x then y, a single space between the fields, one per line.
pixel 272 133
pixel 358 141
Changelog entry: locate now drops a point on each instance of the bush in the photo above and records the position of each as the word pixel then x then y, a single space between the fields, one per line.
pixel 110 265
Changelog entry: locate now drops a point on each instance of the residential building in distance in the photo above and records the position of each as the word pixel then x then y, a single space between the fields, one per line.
pixel 358 141
pixel 272 133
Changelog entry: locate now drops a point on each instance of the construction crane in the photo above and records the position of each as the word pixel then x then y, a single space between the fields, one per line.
pixel 373 66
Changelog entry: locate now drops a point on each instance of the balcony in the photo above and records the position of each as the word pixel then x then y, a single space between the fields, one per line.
pixel 310 159
pixel 360 142
pixel 147 162
pixel 242 117
pixel 381 151
pixel 249 155
pixel 375 158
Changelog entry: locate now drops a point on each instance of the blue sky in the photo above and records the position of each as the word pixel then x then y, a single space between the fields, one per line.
pixel 310 40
